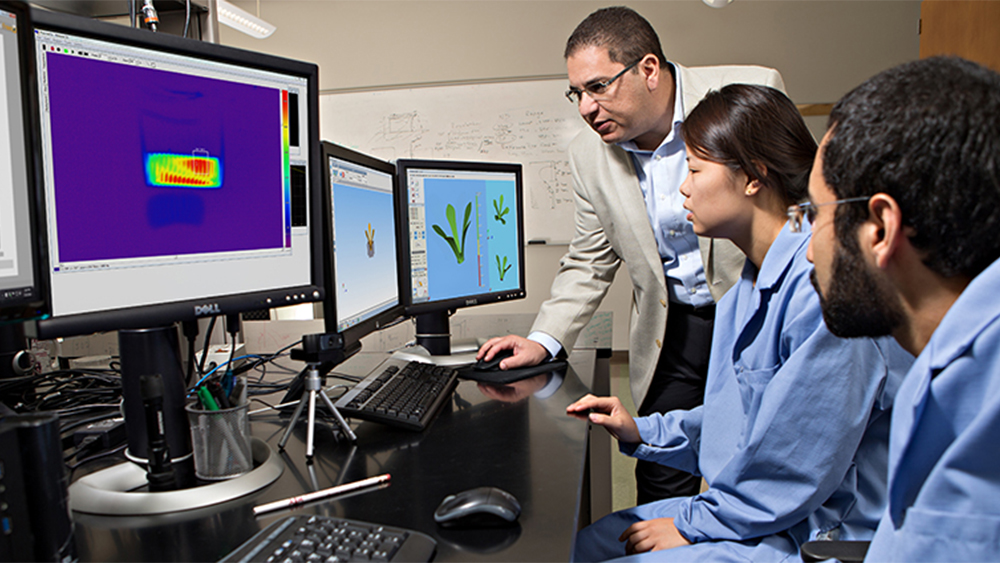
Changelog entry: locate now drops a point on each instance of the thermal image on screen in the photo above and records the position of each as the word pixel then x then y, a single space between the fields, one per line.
pixel 184 171
pixel 472 241
pixel 153 163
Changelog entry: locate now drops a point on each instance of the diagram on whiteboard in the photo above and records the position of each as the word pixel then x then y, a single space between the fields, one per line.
pixel 526 122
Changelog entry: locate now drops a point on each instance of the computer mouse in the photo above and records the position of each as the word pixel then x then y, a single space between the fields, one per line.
pixel 482 507
pixel 493 363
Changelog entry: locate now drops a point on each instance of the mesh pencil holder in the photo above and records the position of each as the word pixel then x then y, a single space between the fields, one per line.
pixel 221 441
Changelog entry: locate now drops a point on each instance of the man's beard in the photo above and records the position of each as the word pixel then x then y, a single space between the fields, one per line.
pixel 856 304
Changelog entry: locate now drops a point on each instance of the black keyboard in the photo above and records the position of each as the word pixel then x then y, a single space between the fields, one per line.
pixel 399 393
pixel 330 539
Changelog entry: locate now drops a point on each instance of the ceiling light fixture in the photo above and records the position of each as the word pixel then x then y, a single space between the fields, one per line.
pixel 243 21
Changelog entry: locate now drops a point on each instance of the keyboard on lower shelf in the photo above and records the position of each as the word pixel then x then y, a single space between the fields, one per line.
pixel 332 540
pixel 400 393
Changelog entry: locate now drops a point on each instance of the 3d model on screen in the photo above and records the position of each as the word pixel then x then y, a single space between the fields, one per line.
pixel 501 210
pixel 457 243
pixel 504 267
pixel 370 235
pixel 196 170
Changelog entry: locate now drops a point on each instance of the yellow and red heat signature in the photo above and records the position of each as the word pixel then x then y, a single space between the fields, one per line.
pixel 183 170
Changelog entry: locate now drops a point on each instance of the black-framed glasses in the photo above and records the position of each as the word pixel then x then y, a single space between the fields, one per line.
pixel 808 210
pixel 596 89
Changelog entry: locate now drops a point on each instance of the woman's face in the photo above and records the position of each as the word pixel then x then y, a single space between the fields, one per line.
pixel 715 197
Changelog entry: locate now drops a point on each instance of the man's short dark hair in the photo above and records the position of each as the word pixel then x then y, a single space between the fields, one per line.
pixel 927 133
pixel 624 33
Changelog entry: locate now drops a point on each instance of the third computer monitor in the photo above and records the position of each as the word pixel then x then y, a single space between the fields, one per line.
pixel 463 242
pixel 363 276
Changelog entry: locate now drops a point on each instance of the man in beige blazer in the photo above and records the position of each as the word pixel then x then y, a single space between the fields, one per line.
pixel 626 173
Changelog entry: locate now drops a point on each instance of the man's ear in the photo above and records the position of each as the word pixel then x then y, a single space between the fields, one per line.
pixel 882 234
pixel 650 69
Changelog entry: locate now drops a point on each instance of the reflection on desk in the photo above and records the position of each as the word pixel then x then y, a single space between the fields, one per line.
pixel 515 437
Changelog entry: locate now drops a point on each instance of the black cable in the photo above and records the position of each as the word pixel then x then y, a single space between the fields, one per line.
pixel 187 16
pixel 64 428
pixel 204 351
pixel 131 13
pixel 345 377
pixel 119 449
pixel 190 330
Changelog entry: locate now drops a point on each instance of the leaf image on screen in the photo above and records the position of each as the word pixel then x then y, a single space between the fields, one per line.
pixel 501 210
pixel 456 243
pixel 504 267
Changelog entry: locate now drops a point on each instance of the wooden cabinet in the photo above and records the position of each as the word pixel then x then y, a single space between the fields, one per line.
pixel 967 28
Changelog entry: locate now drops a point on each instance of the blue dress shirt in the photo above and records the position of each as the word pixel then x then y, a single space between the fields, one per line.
pixel 661 173
pixel 792 438
pixel 944 471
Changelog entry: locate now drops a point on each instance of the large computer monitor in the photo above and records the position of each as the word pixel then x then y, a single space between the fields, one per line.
pixel 363 269
pixel 181 178
pixel 21 283
pixel 463 240
pixel 181 181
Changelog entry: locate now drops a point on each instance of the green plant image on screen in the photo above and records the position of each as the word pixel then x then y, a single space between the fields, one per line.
pixel 456 243
pixel 503 268
pixel 501 210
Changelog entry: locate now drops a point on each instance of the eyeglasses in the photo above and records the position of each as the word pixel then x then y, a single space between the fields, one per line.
pixel 595 89
pixel 808 210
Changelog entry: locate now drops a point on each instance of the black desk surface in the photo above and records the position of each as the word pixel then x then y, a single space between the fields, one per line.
pixel 529 448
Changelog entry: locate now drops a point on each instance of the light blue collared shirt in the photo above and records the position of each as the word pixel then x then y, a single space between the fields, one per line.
pixel 944 479
pixel 661 173
pixel 793 434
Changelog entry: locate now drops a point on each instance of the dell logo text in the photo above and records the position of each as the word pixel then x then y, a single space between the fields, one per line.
pixel 204 310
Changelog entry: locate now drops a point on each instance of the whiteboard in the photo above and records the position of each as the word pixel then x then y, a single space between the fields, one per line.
pixel 529 122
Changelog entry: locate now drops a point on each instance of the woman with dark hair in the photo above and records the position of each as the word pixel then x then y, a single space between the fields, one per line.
pixel 791 440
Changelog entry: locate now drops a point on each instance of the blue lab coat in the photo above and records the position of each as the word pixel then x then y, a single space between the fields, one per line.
pixel 944 467
pixel 792 438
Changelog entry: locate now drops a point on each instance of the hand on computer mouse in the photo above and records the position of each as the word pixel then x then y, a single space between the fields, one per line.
pixel 526 352
pixel 494 363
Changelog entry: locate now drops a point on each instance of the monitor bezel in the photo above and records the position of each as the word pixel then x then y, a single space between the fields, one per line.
pixel 37 305
pixel 354 333
pixel 403 166
pixel 192 309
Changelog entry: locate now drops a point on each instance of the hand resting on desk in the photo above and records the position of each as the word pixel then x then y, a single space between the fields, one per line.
pixel 526 352
pixel 609 413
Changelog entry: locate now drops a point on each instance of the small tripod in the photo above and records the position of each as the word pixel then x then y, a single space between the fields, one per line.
pixel 317 349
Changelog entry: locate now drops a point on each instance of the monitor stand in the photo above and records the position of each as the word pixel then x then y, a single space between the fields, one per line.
pixel 150 351
pixel 15 360
pixel 434 335
pixel 116 490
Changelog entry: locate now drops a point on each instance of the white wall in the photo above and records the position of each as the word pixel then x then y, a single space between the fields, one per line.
pixel 823 49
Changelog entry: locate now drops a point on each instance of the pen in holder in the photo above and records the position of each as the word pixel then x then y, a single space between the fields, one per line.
pixel 220 439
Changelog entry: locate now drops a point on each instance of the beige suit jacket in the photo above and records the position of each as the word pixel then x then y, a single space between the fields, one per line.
pixel 612 227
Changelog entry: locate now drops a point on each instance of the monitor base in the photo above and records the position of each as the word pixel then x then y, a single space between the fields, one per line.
pixel 108 491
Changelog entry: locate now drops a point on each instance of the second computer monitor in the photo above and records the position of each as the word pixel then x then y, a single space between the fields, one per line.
pixel 363 279
pixel 463 243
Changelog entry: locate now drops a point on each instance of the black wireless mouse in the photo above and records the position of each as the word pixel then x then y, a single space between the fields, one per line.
pixel 494 363
pixel 482 507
